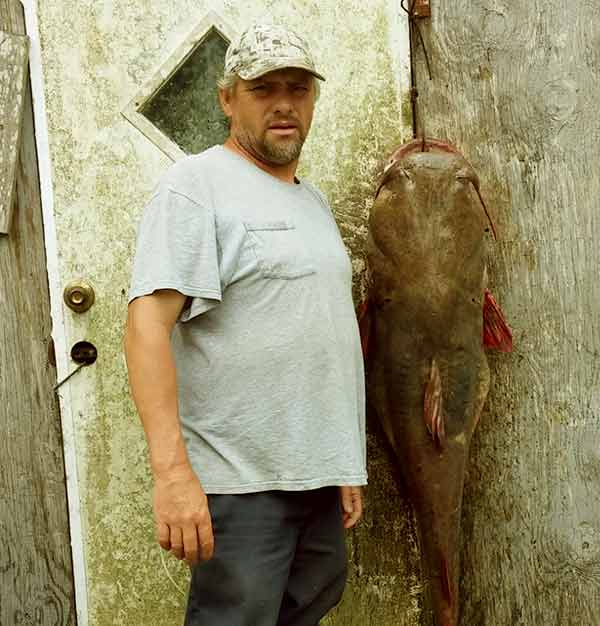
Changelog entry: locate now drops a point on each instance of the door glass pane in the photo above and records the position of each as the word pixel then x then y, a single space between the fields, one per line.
pixel 186 108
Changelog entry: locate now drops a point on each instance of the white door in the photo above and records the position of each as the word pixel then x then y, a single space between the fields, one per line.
pixel 127 87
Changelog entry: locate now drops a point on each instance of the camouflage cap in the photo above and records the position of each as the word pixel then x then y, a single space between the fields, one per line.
pixel 265 48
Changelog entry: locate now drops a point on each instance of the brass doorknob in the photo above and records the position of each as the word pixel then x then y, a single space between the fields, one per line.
pixel 79 296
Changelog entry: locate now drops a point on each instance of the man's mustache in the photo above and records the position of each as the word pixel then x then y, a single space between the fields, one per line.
pixel 287 120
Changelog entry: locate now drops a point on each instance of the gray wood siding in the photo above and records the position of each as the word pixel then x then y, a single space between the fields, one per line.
pixel 516 87
pixel 35 561
pixel 13 72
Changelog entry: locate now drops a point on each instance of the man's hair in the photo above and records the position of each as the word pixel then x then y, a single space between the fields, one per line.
pixel 228 81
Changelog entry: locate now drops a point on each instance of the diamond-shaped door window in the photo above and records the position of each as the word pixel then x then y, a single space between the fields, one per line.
pixel 178 108
pixel 186 108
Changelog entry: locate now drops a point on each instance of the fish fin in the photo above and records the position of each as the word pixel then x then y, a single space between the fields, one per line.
pixel 364 325
pixel 496 332
pixel 433 413
pixel 446 585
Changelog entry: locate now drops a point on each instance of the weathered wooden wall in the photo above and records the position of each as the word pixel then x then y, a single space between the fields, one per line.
pixel 516 86
pixel 13 72
pixel 35 558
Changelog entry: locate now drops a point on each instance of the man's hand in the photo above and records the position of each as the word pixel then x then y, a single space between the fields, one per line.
pixel 183 523
pixel 351 505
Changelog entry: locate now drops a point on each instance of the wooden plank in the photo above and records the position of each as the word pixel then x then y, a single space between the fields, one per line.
pixel 11 17
pixel 35 561
pixel 14 50
pixel 516 86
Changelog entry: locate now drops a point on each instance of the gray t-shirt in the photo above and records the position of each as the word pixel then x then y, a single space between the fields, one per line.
pixel 269 366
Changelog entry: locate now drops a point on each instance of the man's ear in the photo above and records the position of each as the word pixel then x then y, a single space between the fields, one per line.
pixel 225 100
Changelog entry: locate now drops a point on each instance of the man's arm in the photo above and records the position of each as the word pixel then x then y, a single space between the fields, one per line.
pixel 181 512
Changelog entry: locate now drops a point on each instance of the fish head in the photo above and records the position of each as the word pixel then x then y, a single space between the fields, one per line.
pixel 427 227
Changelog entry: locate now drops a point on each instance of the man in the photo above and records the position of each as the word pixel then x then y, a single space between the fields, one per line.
pixel 244 357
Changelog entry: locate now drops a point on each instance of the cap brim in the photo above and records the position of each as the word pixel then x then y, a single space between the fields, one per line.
pixel 257 72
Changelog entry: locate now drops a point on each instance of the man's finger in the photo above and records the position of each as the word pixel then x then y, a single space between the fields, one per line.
pixel 346 495
pixel 357 501
pixel 206 540
pixel 177 542
pixel 190 544
pixel 350 519
pixel 163 535
pixel 352 505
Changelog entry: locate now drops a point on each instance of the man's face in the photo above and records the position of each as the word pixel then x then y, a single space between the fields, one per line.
pixel 271 115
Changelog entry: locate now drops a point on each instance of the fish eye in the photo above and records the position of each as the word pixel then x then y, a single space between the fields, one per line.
pixel 466 176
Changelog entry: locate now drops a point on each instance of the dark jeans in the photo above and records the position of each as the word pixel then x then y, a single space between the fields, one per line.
pixel 280 560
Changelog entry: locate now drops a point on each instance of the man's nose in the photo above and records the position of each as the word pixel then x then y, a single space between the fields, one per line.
pixel 283 105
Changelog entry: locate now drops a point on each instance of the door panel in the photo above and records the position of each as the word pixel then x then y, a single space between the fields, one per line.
pixel 97 57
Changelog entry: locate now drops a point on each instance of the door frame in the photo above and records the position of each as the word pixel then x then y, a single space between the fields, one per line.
pixel 59 336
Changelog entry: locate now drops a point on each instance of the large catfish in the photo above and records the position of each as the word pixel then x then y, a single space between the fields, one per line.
pixel 424 326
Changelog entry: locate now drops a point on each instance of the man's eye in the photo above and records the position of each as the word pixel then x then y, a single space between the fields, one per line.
pixel 300 88
pixel 259 88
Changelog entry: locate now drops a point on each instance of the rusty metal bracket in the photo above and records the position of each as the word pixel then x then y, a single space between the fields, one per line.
pixel 421 8
pixel 416 9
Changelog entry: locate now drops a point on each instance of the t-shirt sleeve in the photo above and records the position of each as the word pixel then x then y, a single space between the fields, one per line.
pixel 177 249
